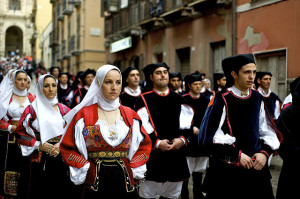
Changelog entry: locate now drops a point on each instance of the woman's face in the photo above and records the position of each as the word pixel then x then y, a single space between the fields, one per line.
pixel 21 81
pixel 111 86
pixel 49 87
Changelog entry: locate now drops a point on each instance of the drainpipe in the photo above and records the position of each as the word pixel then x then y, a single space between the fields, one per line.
pixel 233 30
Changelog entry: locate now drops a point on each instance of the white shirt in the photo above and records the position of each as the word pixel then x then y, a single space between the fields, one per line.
pixel 266 132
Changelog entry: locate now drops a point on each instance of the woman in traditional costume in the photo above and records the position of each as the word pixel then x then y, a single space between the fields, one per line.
pixel 39 133
pixel 105 145
pixel 14 99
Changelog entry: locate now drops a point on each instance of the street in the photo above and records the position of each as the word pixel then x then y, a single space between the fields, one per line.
pixel 275 168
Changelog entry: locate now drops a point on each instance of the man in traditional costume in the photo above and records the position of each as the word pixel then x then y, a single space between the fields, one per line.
pixel 131 91
pixel 273 102
pixel 219 81
pixel 197 157
pixel 167 121
pixel 239 135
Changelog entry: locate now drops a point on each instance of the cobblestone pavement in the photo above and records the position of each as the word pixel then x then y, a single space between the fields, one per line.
pixel 275 168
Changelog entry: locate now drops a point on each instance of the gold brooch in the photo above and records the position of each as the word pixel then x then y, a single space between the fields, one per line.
pixel 244 94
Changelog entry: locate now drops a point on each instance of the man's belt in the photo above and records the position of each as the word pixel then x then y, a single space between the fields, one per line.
pixel 108 154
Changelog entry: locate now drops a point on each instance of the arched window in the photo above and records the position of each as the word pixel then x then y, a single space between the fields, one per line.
pixel 14 5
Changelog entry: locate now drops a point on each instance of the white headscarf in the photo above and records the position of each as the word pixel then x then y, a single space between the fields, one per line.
pixel 15 90
pixel 7 88
pixel 95 95
pixel 50 121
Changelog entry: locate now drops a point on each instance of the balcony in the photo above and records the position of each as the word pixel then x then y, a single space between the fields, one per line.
pixel 148 15
pixel 67 9
pixel 75 45
pixel 53 40
pixel 75 2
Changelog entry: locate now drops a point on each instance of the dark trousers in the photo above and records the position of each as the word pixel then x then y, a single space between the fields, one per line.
pixel 197 187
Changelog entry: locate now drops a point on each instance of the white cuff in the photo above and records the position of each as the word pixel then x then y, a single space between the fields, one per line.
pixel 139 172
pixel 78 176
pixel 157 144
pixel 9 128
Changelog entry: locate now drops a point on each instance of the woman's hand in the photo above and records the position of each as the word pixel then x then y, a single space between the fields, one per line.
pixel 55 150
pixel 46 147
pixel 13 129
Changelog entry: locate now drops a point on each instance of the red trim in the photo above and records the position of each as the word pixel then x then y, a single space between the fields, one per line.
pixel 211 102
pixel 227 116
pixel 264 152
pixel 151 121
pixel 184 140
pixel 194 97
pixel 148 92
pixel 239 158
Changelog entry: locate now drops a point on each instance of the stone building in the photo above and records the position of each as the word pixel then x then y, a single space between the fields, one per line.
pixel 194 35
pixel 16 27
pixel 77 39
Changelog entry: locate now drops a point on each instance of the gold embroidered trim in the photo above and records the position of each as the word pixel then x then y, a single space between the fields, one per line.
pixel 56 139
pixel 11 181
pixel 108 154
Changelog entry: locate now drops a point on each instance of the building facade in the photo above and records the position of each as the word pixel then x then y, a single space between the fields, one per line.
pixel 44 46
pixel 42 19
pixel 192 35
pixel 77 39
pixel 16 27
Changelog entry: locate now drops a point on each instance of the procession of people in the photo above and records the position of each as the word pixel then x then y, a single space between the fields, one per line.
pixel 106 134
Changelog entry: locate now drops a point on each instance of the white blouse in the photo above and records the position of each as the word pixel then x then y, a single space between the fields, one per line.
pixel 15 110
pixel 121 130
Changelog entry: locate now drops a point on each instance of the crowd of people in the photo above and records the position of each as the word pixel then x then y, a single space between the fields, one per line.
pixel 107 134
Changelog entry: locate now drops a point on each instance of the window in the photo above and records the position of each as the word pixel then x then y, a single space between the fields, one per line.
pixel 14 5
pixel 274 62
pixel 218 54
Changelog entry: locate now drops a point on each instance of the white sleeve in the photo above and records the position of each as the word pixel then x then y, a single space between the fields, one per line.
pixel 277 110
pixel 143 113
pixel 186 116
pixel 27 150
pixel 137 138
pixel 266 132
pixel 220 137
pixel 78 176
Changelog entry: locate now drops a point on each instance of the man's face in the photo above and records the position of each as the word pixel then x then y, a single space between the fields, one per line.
pixel 89 79
pixel 222 82
pixel 195 87
pixel 265 82
pixel 63 79
pixel 245 78
pixel 160 77
pixel 175 83
pixel 133 79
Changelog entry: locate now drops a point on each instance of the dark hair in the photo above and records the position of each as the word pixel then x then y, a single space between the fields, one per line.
pixel 54 67
pixel 60 74
pixel 85 73
pixel 20 71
